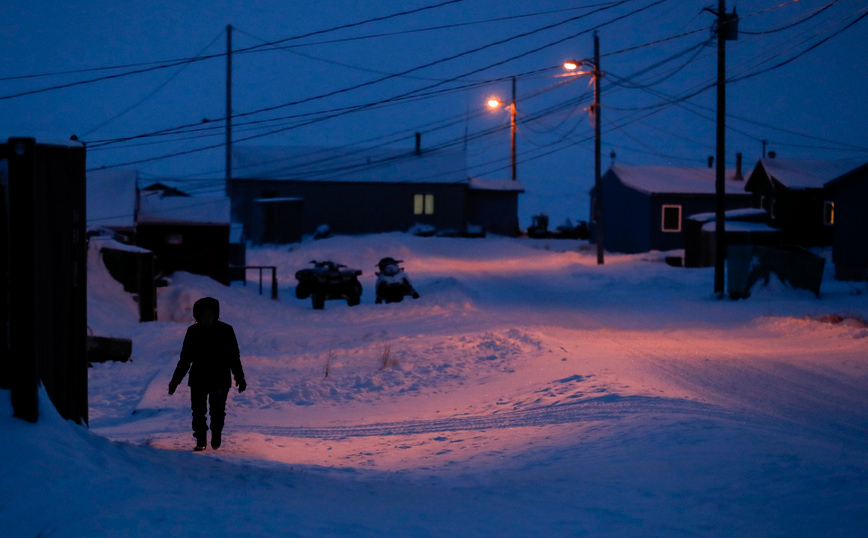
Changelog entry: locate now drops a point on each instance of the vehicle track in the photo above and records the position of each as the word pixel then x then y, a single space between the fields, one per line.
pixel 606 408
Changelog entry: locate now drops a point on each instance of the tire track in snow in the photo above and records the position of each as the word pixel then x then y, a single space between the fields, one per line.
pixel 606 408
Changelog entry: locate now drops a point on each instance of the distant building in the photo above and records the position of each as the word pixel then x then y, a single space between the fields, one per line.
pixel 365 191
pixel 795 195
pixel 849 214
pixel 185 232
pixel 644 207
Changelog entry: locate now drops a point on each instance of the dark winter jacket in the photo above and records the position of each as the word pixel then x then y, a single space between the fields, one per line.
pixel 210 354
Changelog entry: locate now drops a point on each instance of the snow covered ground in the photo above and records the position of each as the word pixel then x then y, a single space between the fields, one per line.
pixel 528 392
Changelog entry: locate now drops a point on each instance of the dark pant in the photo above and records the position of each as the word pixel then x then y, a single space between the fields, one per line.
pixel 200 397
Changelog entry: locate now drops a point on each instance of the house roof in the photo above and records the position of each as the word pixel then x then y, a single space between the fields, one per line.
pixel 804 173
pixel 859 172
pixel 675 180
pixel 505 185
pixel 375 165
pixel 156 208
pixel 111 198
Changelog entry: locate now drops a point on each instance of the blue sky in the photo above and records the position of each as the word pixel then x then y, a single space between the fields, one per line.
pixel 378 82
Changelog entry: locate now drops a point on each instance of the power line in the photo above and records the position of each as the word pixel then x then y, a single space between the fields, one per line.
pixel 174 63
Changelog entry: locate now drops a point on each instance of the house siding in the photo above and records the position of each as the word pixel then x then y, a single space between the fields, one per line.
pixel 625 217
pixel 850 243
pixel 496 211
pixel 356 207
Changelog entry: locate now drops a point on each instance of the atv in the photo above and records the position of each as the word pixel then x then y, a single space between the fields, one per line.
pixel 392 283
pixel 328 280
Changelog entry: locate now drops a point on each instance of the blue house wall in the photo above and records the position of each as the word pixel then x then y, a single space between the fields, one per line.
pixel 626 214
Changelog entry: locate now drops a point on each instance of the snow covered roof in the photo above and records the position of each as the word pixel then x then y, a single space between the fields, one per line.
pixel 805 173
pixel 46 138
pixel 739 226
pixel 495 185
pixel 731 214
pixel 675 179
pixel 154 208
pixel 111 198
pixel 347 164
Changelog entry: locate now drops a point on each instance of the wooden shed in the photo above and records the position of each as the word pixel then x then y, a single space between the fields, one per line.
pixel 43 257
pixel 186 233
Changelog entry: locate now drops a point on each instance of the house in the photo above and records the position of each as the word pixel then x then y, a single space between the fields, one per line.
pixel 849 214
pixel 185 232
pixel 644 207
pixel 355 191
pixel 794 193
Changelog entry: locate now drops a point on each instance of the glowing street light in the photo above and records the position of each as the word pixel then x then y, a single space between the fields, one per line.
pixel 494 102
pixel 597 210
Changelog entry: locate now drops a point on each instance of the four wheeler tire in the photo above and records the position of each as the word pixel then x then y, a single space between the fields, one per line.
pixel 302 291
pixel 318 301
pixel 354 296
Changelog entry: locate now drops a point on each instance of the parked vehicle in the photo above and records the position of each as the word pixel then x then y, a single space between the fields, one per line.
pixel 328 280
pixel 392 283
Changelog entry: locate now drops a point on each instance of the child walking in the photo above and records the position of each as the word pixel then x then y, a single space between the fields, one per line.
pixel 210 353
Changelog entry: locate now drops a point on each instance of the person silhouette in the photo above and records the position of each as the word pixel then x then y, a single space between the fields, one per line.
pixel 210 353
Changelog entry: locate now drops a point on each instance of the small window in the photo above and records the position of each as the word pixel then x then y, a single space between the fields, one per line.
pixel 174 239
pixel 773 209
pixel 672 218
pixel 829 213
pixel 423 204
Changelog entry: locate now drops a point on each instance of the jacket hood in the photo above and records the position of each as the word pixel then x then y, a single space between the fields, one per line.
pixel 206 303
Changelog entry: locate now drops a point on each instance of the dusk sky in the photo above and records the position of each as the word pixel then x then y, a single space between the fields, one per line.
pixel 371 74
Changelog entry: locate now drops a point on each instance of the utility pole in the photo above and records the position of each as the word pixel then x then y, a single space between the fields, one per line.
pixel 228 108
pixel 597 165
pixel 727 30
pixel 512 131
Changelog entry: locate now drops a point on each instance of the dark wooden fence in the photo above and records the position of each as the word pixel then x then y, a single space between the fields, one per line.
pixel 42 258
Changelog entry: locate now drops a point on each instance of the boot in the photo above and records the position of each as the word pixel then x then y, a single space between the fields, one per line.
pixel 215 440
pixel 200 443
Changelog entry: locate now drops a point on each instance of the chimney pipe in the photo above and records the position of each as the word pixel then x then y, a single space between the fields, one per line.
pixel 418 143
pixel 738 167
pixel 711 162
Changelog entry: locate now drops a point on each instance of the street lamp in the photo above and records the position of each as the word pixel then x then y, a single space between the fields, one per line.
pixel 597 210
pixel 494 102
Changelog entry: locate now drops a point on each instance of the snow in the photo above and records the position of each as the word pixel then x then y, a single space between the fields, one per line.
pixel 748 212
pixel 507 185
pixel 527 392
pixel 675 179
pixel 738 226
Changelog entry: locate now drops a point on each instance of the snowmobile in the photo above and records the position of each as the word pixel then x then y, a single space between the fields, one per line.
pixel 392 283
pixel 328 280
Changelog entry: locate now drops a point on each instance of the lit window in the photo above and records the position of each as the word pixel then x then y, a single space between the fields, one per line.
pixel 672 218
pixel 423 204
pixel 829 213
